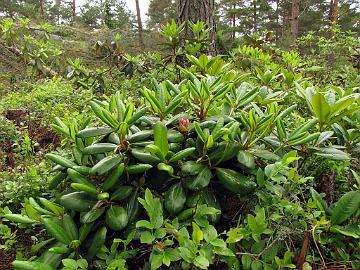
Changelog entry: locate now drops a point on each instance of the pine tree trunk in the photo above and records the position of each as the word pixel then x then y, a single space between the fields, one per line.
pixel 255 16
pixel 295 12
pixel 74 10
pixel 42 8
pixel 277 33
pixel 194 10
pixel 333 16
pixel 334 12
pixel 58 4
pixel 233 22
pixel 140 28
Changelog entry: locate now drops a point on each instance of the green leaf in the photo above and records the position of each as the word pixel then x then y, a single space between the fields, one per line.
pixel 97 242
pixel 303 128
pixel 210 233
pixel 351 230
pixel 197 234
pixel 165 167
pixel 256 265
pixel 106 164
pixel 137 115
pixel 25 265
pixel 155 151
pixel 186 254
pixel 265 154
pixel 156 260
pixel 246 159
pixel 155 104
pixel 193 60
pixel 332 153
pixel 56 230
pixel 305 139
pixel 19 218
pixel 153 207
pixel 192 167
pixel 92 215
pixel 144 224
pixel 345 207
pixel 246 261
pixel 320 107
pixel 203 60
pixel 182 154
pixel 147 237
pixel 200 133
pixel 175 102
pixel 160 138
pixel 128 112
pixel 200 181
pixel 342 104
pixel 175 198
pixel 201 262
pixel 321 204
pixel 70 263
pixel 218 243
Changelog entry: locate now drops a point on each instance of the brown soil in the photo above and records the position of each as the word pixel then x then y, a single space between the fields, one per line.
pixel 328 186
pixel 38 132
pixel 6 148
pixel 23 243
pixel 17 115
pixel 6 258
pixel 233 207
pixel 45 136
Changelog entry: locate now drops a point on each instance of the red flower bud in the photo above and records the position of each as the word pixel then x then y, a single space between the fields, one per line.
pixel 184 124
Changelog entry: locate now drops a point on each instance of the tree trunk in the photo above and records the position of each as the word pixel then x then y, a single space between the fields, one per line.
pixel 74 10
pixel 58 4
pixel 277 33
pixel 334 12
pixel 295 12
pixel 233 22
pixel 194 10
pixel 140 29
pixel 42 8
pixel 333 16
pixel 255 16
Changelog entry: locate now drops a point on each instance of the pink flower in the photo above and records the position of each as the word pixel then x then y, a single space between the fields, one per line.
pixel 184 124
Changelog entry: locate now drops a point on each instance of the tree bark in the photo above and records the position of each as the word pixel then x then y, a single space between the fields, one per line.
pixel 58 4
pixel 194 10
pixel 140 28
pixel 74 10
pixel 334 12
pixel 295 12
pixel 255 16
pixel 42 8
pixel 277 33
pixel 233 22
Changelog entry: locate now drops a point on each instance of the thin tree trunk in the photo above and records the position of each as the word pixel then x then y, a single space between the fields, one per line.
pixel 58 4
pixel 334 12
pixel 333 16
pixel 295 12
pixel 140 29
pixel 277 33
pixel 233 21
pixel 255 16
pixel 194 10
pixel 42 8
pixel 74 10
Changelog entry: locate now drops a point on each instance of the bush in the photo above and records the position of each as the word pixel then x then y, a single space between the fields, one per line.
pixel 204 172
